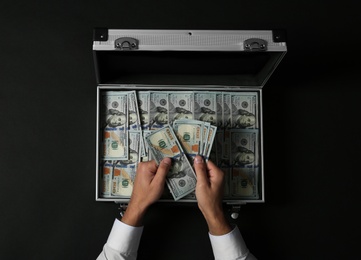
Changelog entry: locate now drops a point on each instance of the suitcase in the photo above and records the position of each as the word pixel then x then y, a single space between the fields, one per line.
pixel 227 63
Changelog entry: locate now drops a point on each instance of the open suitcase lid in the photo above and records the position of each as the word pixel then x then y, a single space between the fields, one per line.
pixel 187 57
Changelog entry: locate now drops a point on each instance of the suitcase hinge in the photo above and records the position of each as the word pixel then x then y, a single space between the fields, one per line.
pixel 255 44
pixel 126 44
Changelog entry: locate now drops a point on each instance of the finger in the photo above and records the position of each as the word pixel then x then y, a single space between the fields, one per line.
pixel 162 171
pixel 200 169
pixel 149 167
pixel 216 174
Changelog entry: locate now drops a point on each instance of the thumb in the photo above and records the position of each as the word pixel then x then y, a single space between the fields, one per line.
pixel 162 171
pixel 200 169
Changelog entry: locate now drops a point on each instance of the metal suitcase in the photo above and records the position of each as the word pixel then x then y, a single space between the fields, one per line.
pixel 182 60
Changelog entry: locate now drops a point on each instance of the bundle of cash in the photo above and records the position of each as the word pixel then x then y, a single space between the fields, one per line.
pixel 181 179
pixel 220 126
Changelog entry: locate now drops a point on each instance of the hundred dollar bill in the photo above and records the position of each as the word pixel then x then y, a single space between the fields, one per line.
pixel 181 106
pixel 189 133
pixel 244 183
pixel 181 179
pixel 205 107
pixel 210 140
pixel 244 148
pixel 219 140
pixel 244 109
pixel 125 170
pixel 122 184
pixel 143 105
pixel 220 105
pixel 146 155
pixel 107 178
pixel 114 118
pixel 226 110
pixel 205 134
pixel 158 112
pixel 133 111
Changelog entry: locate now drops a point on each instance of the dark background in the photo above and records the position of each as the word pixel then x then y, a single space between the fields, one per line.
pixel 47 134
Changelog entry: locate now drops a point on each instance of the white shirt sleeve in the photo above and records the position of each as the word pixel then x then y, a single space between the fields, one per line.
pixel 122 243
pixel 230 246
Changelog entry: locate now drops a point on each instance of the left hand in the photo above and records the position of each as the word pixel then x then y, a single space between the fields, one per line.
pixel 148 187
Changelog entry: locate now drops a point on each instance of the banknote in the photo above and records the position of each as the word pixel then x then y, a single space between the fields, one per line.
pixel 189 133
pixel 226 110
pixel 115 145
pixel 122 184
pixel 143 105
pixel 244 183
pixel 134 149
pixel 125 170
pixel 205 107
pixel 181 179
pixel 244 148
pixel 107 178
pixel 220 104
pixel 133 111
pixel 146 155
pixel 205 133
pixel 114 118
pixel 115 110
pixel 181 105
pixel 218 146
pixel 158 109
pixel 244 110
pixel 210 140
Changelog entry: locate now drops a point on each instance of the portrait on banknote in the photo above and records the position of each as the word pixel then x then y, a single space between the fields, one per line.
pixel 244 119
pixel 242 156
pixel 158 110
pixel 180 106
pixel 115 118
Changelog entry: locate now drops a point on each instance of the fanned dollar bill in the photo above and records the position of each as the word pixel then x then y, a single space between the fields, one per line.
pixel 244 109
pixel 181 106
pixel 189 133
pixel 115 121
pixel 181 179
pixel 158 110
pixel 146 156
pixel 210 140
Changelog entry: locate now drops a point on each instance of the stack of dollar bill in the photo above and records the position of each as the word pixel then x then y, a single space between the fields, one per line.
pixel 144 125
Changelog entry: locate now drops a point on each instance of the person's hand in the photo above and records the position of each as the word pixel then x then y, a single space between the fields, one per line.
pixel 148 187
pixel 209 193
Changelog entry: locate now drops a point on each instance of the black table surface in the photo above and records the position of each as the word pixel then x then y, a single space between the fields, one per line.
pixel 311 107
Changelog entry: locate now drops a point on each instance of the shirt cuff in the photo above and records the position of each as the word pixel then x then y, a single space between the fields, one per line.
pixel 124 238
pixel 229 246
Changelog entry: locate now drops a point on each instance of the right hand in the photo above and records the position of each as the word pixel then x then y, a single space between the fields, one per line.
pixel 209 193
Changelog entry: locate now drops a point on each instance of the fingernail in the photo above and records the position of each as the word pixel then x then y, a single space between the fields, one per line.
pixel 167 161
pixel 198 159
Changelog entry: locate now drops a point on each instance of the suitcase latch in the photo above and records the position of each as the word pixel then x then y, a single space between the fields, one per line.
pixel 255 44
pixel 126 44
